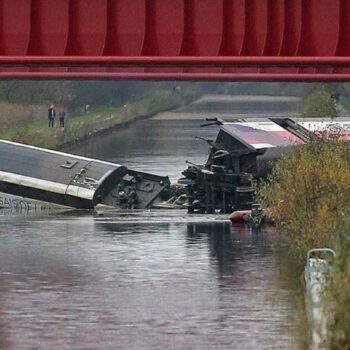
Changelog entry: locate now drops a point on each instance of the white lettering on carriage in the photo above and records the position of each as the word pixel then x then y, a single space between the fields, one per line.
pixel 14 203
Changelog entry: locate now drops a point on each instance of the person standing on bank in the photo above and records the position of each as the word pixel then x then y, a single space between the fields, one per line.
pixel 62 115
pixel 51 115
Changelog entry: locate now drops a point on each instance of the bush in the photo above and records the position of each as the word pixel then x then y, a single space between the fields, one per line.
pixel 309 190
pixel 320 104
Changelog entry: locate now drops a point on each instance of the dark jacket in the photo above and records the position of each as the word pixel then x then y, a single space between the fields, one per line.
pixel 51 113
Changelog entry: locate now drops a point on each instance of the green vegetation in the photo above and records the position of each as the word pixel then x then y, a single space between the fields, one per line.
pixel 36 132
pixel 29 92
pixel 24 104
pixel 338 292
pixel 320 104
pixel 309 189
pixel 12 115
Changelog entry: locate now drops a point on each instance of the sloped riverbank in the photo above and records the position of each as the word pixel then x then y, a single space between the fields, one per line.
pixel 97 122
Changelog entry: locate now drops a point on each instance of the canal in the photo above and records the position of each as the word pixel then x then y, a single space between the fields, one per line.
pixel 146 279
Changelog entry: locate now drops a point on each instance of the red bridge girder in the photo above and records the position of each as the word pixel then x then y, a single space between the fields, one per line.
pixel 296 40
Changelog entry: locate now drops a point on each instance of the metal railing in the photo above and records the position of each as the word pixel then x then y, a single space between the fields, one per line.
pixel 318 265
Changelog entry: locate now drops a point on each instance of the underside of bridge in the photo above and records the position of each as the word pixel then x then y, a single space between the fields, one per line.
pixel 290 40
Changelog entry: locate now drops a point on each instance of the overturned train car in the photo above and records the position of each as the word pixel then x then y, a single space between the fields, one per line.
pixel 242 152
pixel 73 181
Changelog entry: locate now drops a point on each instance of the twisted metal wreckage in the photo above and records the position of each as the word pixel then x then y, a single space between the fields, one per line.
pixel 241 154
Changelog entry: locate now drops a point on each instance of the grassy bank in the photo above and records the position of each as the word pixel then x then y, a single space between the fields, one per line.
pixel 338 292
pixel 13 115
pixel 35 131
pixel 309 189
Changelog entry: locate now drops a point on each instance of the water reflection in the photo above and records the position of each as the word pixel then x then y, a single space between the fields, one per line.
pixel 105 282
pixel 260 298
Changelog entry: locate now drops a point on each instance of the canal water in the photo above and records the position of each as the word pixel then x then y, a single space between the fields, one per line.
pixel 146 279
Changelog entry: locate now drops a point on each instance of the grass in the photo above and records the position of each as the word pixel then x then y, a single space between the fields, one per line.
pixel 16 114
pixel 339 291
pixel 37 133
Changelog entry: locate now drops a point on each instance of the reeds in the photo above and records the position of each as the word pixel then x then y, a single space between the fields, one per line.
pixel 12 115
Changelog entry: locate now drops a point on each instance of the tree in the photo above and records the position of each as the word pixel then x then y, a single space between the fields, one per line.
pixel 35 92
pixel 320 104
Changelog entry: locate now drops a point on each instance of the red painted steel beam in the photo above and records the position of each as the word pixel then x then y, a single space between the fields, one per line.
pixel 233 27
pixel 126 27
pixel 15 26
pixel 292 27
pixel 343 48
pixel 256 26
pixel 203 27
pixel 320 27
pixel 177 60
pixel 217 39
pixel 275 27
pixel 295 77
pixel 49 27
pixel 87 27
pixel 164 27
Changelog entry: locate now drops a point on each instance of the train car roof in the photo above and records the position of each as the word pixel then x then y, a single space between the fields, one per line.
pixel 49 165
pixel 260 134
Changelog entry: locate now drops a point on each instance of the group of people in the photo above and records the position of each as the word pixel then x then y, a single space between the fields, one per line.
pixel 52 116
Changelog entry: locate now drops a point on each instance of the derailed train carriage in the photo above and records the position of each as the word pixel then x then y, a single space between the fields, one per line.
pixel 47 176
pixel 242 153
